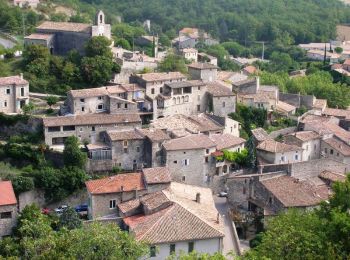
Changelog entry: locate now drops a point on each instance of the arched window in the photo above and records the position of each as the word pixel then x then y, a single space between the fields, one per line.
pixel 182 99
pixel 101 18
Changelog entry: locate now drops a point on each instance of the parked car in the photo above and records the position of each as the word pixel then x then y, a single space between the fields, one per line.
pixel 61 209
pixel 46 211
pixel 82 207
pixel 222 194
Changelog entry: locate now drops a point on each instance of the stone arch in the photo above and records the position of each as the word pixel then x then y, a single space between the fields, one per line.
pixel 100 17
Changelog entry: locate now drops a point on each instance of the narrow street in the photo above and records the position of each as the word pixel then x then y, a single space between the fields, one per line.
pixel 228 241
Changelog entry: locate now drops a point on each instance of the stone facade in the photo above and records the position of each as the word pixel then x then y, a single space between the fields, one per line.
pixel 224 105
pixel 206 73
pixel 8 219
pixel 14 94
pixel 68 36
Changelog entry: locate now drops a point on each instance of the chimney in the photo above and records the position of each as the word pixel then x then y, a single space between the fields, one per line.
pixel 198 197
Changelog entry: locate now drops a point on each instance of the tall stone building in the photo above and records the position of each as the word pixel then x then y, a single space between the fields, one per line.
pixel 62 37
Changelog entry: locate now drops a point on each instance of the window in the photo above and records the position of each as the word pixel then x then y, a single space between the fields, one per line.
pixel 186 162
pixel 199 88
pixel 183 178
pixel 207 151
pixel 296 157
pixel 175 162
pixel 152 90
pixel 112 204
pixel 82 100
pixel 331 151
pixel 81 129
pixel 5 215
pixel 93 128
pixel 325 150
pixel 231 129
pixel 54 129
pixel 161 90
pixel 282 158
pixel 138 149
pixel 68 128
pixel 82 109
pixel 190 246
pixel 337 154
pixel 100 106
pixel 152 251
pixel 223 104
pixel 172 248
pixel 8 91
pixel 206 159
pixel 118 105
pixel 198 108
pixel 125 150
pixel 125 143
pixel 239 149
pixel 125 105
pixel 100 98
pixel 5 103
pixel 22 92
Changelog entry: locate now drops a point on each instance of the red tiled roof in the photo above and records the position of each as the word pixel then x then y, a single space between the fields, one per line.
pixel 64 26
pixel 219 90
pixel 13 80
pixel 156 175
pixel 332 176
pixel 7 195
pixel 190 142
pixel 124 135
pixel 117 183
pixel 250 69
pixel 225 141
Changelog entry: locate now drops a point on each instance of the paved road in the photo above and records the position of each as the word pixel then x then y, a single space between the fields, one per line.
pixel 228 243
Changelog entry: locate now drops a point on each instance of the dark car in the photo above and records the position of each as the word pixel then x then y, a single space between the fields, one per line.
pixel 82 207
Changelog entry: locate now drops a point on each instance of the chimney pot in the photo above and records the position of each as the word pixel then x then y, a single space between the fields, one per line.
pixel 198 197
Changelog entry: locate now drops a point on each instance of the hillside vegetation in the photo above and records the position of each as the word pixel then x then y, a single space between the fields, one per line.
pixel 241 20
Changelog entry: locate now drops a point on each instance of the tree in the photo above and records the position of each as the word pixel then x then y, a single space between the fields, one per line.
pixel 72 154
pixel 98 46
pixel 29 108
pixel 34 52
pixel 173 62
pixel 234 48
pixel 196 256
pixel 51 100
pixel 97 70
pixel 122 43
pixel 338 50
pixel 69 219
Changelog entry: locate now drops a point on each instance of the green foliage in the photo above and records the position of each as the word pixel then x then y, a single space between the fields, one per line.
pixel 59 17
pixel 98 46
pixel 29 108
pixel 69 219
pixel 173 62
pixel 72 154
pixel 196 256
pixel 219 51
pixel 127 32
pixel 319 84
pixel 338 50
pixel 10 120
pixel 249 117
pixel 52 100
pixel 240 158
pixel 122 43
pixel 96 70
pixel 36 239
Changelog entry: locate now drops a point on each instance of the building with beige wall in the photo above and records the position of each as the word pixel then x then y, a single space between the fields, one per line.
pixel 86 127
pixel 309 141
pixel 8 208
pixel 14 94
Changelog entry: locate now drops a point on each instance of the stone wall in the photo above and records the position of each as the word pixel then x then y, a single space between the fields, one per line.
pixel 222 106
pixel 31 197
pixel 6 224
pixel 298 100
pixel 99 166
pixel 134 154
pixel 283 131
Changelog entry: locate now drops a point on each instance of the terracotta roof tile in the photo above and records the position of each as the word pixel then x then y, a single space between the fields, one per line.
pixel 161 76
pixel 64 26
pixel 276 147
pixel 338 145
pixel 225 141
pixel 155 135
pixel 91 119
pixel 7 195
pixel 117 183
pixel 124 135
pixel 260 134
pixel 156 175
pixel 342 113
pixel 190 142
pixel 219 90
pixel 294 193
pixel 129 205
pixel 305 135
pixel 12 80
pixel 202 66
pixel 284 107
pixel 39 36
pixel 250 69
pixel 332 176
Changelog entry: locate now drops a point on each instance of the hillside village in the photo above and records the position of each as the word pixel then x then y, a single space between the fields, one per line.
pixel 167 150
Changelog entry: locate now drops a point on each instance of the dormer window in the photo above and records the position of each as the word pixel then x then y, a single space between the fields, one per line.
pixel 82 100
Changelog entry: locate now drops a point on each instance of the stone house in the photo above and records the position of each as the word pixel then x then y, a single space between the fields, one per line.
pixel 86 127
pixel 309 141
pixel 229 143
pixel 189 37
pixel 202 71
pixel 189 159
pixel 181 218
pixel 14 94
pixel 106 194
pixel 8 208
pixel 180 125
pixel 204 57
pixel 184 97
pixel 127 148
pixel 221 100
pixel 335 149
pixel 62 37
pixel 273 152
pixel 128 98
pixel 190 54
pixel 153 83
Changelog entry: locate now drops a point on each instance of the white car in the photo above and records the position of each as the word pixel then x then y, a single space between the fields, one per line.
pixel 61 209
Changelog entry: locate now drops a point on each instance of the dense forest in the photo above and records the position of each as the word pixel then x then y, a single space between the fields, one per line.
pixel 243 21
